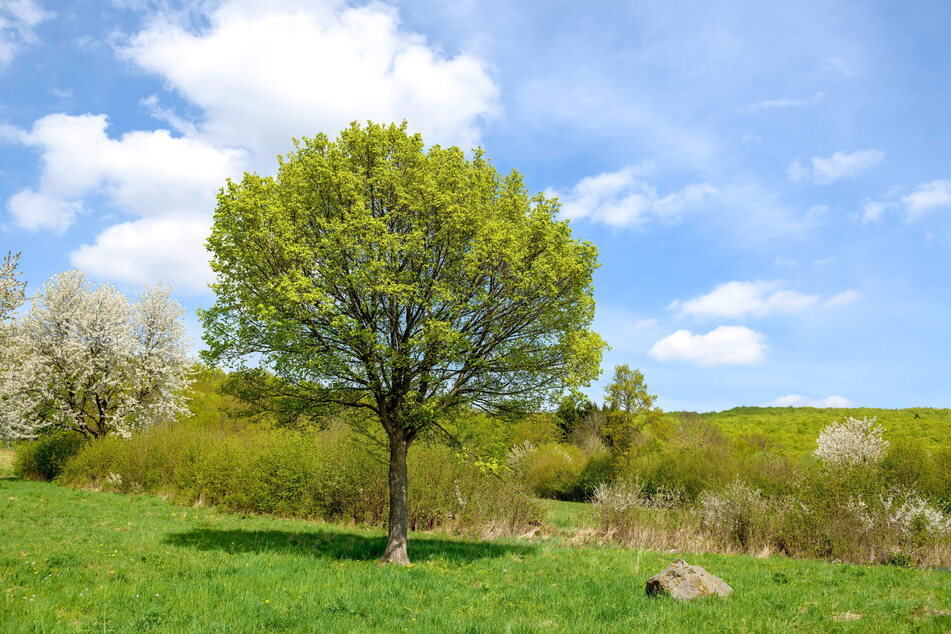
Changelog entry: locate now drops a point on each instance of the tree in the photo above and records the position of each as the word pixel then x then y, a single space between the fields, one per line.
pixel 573 408
pixel 11 298
pixel 11 292
pixel 87 360
pixel 630 407
pixel 373 274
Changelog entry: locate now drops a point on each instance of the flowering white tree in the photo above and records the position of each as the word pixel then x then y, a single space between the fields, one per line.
pixel 86 359
pixel 11 292
pixel 852 442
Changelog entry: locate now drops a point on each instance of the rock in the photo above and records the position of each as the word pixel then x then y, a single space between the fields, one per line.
pixel 682 581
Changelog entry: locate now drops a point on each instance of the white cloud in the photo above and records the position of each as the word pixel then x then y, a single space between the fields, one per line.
pixel 265 72
pixel 797 400
pixel 143 173
pixel 17 20
pixel 168 249
pixel 873 211
pixel 926 197
pixel 169 183
pixel 755 299
pixel 842 299
pixel 262 73
pixel 35 211
pixel 736 345
pixel 784 102
pixel 825 170
pixel 742 299
pixel 622 199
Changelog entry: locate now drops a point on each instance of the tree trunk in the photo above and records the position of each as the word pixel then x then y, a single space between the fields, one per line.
pixel 398 526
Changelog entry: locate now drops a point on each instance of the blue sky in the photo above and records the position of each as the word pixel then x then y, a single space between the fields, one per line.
pixel 769 185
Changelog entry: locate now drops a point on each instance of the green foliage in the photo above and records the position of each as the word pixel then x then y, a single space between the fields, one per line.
pixel 537 429
pixel 46 457
pixel 560 471
pixel 209 405
pixel 795 429
pixel 372 272
pixel 629 410
pixel 197 570
pixel 329 474
pixel 552 470
pixel 573 408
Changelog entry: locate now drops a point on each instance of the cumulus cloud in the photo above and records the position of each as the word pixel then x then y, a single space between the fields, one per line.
pixel 35 211
pixel 264 72
pixel 17 21
pixel 926 197
pixel 171 182
pixel 733 345
pixel 826 170
pixel 259 73
pixel 797 400
pixel 745 299
pixel 143 173
pixel 166 249
pixel 623 199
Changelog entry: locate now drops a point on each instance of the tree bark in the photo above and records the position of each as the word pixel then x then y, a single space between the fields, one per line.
pixel 398 526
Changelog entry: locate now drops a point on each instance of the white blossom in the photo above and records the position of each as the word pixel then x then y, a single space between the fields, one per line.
pixel 11 288
pixel 629 493
pixel 518 455
pixel 88 360
pixel 731 508
pixel 910 513
pixel 852 442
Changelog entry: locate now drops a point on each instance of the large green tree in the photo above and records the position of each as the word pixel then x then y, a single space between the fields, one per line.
pixel 374 273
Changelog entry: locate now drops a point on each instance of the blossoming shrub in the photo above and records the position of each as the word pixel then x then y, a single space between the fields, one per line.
pixel 843 508
pixel 658 519
pixel 854 441
pixel 328 475
pixel 739 515
pixel 856 498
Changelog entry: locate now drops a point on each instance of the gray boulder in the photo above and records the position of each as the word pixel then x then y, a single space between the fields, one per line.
pixel 682 581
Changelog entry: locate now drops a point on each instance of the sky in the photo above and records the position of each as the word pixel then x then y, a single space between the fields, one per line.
pixel 768 184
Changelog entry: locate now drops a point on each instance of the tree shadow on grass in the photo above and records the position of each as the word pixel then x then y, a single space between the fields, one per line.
pixel 337 545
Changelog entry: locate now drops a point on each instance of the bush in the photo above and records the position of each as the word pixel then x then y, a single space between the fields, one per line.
pixel 739 515
pixel 328 474
pixel 45 457
pixel 560 471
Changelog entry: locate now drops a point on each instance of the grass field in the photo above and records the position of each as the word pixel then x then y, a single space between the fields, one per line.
pixel 87 561
pixel 796 428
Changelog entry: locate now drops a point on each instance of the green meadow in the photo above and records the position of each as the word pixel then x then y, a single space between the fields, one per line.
pixel 84 561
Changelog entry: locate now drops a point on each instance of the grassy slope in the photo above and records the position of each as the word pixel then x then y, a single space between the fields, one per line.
pixel 797 427
pixel 78 560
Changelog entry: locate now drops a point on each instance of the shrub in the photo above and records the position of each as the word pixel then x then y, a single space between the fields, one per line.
pixel 329 474
pixel 631 515
pixel 739 515
pixel 852 442
pixel 560 471
pixel 45 457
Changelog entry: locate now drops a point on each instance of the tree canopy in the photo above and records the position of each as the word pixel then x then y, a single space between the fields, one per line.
pixel 375 273
pixel 86 359
pixel 630 407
